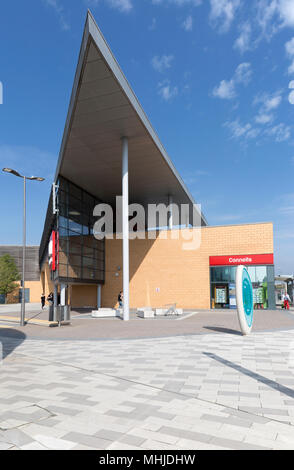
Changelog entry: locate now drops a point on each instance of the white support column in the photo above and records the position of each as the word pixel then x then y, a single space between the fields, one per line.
pixel 62 295
pixel 188 218
pixel 125 224
pixel 99 296
pixel 170 214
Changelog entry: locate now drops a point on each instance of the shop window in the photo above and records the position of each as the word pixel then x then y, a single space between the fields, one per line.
pixel 261 274
pixel 223 285
pixel 252 273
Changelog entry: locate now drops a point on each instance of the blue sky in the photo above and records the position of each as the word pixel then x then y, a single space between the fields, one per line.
pixel 214 77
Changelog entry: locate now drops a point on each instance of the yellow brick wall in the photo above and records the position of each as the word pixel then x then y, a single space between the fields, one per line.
pixel 35 292
pixel 84 296
pixel 161 272
pixel 79 295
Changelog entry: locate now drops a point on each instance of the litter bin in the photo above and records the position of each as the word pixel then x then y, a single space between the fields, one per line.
pixel 63 313
pixel 66 313
pixel 51 312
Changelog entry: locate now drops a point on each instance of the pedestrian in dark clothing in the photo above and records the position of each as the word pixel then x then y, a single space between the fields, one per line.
pixel 50 300
pixel 43 300
pixel 120 299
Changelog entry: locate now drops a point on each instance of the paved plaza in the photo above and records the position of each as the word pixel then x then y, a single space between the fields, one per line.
pixel 217 390
pixel 192 322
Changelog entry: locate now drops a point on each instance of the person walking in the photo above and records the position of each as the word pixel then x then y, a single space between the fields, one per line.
pixel 121 299
pixel 286 300
pixel 50 300
pixel 43 300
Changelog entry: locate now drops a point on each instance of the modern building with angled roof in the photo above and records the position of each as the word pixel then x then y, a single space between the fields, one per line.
pixel 109 150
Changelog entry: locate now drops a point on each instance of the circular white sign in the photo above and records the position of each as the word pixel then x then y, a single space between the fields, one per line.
pixel 244 297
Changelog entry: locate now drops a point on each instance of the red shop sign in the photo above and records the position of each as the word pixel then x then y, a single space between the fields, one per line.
pixel 241 259
pixel 53 251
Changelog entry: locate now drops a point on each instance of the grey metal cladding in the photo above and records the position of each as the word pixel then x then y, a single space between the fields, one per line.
pixel 32 272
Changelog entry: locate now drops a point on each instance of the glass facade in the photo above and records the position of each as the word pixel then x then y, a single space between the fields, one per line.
pixel 81 256
pixel 223 293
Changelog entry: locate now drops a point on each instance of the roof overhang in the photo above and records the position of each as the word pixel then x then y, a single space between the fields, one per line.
pixel 103 109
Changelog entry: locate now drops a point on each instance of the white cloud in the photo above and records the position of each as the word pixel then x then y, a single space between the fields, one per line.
pixel 179 3
pixel 264 118
pixel 162 63
pixel 281 132
pixel 238 130
pixel 223 12
pixel 242 131
pixel 273 15
pixel 58 8
pixel 166 91
pixel 242 43
pixel 272 102
pixel 289 46
pixel 286 12
pixel 253 133
pixel 266 11
pixel 267 104
pixel 121 5
pixel 188 23
pixel 227 88
pixel 243 73
pixel 291 68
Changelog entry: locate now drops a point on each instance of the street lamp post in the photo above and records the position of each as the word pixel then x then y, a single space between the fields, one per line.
pixel 25 178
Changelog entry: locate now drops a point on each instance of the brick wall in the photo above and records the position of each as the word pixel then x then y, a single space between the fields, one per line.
pixel 35 292
pixel 161 272
pixel 83 296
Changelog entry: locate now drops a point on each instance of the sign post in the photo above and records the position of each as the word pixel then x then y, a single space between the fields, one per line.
pixel 244 297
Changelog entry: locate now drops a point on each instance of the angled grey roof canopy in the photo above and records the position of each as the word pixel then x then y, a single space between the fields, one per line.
pixel 103 109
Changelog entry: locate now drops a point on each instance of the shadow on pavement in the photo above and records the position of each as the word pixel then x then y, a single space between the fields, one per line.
pixel 219 329
pixel 10 339
pixel 260 378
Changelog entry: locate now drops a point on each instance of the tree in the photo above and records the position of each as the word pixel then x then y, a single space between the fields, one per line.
pixel 8 275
